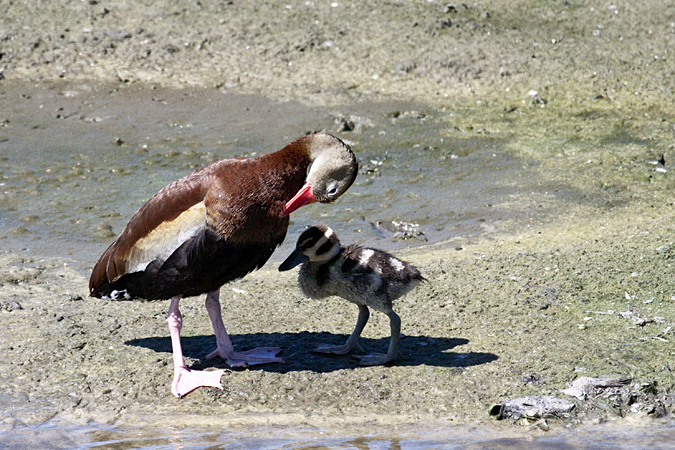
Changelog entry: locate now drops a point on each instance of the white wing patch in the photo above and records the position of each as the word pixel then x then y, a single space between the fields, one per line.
pixel 365 256
pixel 396 264
pixel 166 238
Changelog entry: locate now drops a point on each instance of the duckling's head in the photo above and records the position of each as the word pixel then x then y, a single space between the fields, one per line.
pixel 316 244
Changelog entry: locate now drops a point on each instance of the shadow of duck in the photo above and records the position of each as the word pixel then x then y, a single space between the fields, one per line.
pixel 414 351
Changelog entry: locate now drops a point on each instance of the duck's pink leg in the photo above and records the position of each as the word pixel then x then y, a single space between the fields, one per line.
pixel 224 349
pixel 184 379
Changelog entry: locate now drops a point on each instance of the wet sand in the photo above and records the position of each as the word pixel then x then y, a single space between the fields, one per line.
pixel 524 308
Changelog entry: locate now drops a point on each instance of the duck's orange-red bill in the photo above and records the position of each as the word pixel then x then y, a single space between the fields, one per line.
pixel 302 198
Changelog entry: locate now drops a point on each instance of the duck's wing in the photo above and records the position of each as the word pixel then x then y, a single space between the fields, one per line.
pixel 196 234
pixel 172 216
pixel 241 232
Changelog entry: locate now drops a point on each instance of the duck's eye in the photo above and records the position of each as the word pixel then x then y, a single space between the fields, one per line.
pixel 332 190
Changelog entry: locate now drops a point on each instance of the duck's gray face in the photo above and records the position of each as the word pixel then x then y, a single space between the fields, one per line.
pixel 316 244
pixel 332 172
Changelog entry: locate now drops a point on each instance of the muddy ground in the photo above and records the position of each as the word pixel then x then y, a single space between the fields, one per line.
pixel 582 89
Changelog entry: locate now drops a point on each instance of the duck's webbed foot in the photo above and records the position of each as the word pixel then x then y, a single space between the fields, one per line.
pixel 186 380
pixel 260 355
pixel 339 349
pixel 376 359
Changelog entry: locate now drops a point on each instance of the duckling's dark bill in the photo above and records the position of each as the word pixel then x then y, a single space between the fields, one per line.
pixel 294 259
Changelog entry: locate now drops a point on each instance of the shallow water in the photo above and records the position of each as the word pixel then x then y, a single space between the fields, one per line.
pixel 56 435
pixel 76 164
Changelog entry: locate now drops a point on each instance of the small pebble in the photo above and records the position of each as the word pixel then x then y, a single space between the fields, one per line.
pixel 10 306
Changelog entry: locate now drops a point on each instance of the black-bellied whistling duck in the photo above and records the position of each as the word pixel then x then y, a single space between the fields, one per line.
pixel 216 225
pixel 365 276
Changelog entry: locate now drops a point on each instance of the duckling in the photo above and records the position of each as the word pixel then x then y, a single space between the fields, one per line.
pixel 364 276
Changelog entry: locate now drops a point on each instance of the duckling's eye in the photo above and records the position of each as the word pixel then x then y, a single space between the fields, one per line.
pixel 332 190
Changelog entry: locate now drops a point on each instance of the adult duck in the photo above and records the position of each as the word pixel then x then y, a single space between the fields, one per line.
pixel 214 226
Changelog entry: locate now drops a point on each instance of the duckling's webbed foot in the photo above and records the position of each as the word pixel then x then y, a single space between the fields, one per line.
pixel 352 342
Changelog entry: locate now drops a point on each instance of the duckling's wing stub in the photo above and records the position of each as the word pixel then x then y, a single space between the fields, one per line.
pixel 294 259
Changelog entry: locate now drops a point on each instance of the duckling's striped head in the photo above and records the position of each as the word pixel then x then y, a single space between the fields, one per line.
pixel 316 244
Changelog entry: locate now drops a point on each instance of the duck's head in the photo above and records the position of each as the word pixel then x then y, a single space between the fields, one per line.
pixel 316 244
pixel 332 171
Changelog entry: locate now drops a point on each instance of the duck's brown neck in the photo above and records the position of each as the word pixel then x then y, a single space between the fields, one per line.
pixel 288 167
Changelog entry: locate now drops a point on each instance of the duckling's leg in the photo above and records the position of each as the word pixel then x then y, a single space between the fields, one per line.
pixel 375 359
pixel 353 340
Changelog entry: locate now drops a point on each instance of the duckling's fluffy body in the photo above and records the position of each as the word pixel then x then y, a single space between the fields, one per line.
pixel 368 277
pixel 363 276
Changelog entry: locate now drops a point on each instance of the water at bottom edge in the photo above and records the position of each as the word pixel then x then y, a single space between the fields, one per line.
pixel 57 434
